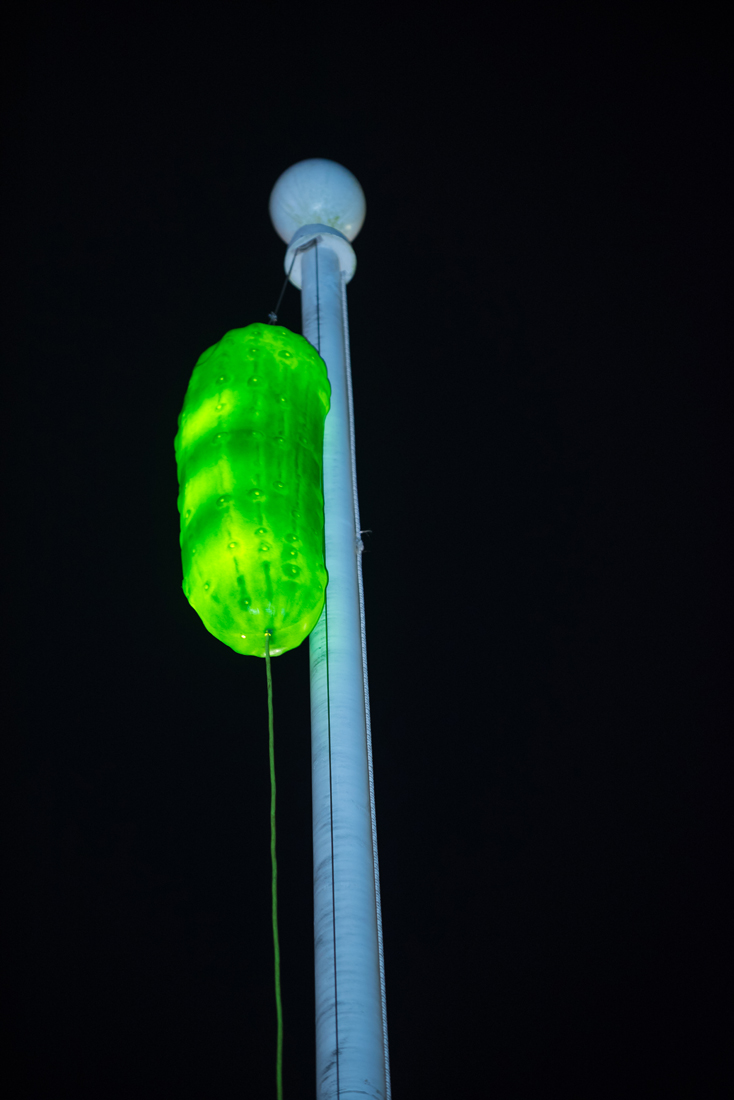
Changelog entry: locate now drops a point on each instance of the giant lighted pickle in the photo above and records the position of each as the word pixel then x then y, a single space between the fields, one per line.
pixel 249 450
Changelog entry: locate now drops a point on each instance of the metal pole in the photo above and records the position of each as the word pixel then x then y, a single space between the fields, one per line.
pixel 351 1027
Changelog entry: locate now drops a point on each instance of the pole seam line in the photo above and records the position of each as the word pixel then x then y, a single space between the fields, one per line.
pixel 365 684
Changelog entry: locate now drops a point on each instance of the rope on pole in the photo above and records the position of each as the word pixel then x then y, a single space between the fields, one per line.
pixel 328 725
pixel 273 315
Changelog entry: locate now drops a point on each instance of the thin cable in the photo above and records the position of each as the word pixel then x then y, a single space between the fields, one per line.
pixel 274 862
pixel 273 315
pixel 328 729
pixel 318 304
pixel 365 682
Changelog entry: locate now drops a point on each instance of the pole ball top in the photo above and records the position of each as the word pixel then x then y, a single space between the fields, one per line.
pixel 318 192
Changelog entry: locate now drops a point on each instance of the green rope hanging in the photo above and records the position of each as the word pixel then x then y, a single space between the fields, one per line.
pixel 274 862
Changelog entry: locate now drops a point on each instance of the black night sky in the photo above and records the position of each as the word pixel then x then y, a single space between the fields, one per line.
pixel 541 387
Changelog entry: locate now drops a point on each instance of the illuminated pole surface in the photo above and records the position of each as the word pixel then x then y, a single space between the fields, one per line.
pixel 317 207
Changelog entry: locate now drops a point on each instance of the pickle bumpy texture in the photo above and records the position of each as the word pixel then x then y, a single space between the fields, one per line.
pixel 249 452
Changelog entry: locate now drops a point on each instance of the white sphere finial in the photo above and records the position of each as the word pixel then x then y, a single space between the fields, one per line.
pixel 317 192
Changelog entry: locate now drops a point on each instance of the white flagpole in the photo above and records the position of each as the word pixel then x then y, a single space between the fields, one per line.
pixel 318 207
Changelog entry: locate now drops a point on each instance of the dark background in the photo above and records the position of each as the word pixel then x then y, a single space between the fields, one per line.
pixel 541 398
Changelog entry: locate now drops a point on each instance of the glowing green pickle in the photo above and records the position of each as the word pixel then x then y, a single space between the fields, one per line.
pixel 249 453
